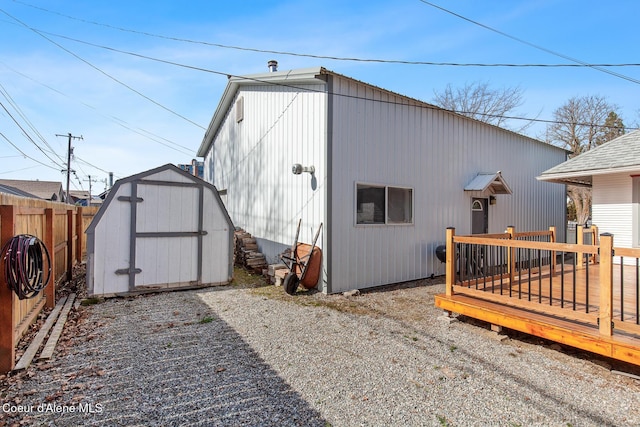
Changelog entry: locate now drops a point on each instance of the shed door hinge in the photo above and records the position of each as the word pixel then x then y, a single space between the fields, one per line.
pixel 129 271
pixel 128 199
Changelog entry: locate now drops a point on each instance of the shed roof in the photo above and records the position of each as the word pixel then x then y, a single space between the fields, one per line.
pixel 621 154
pixel 493 182
pixel 140 176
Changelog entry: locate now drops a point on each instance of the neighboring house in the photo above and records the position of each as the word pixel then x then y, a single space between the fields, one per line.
pixel 612 170
pixel 7 189
pixel 47 190
pixel 80 197
pixel 390 173
pixel 195 168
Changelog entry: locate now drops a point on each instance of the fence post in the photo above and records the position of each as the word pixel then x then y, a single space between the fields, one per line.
pixel 552 239
pixel 579 241
pixel 7 341
pixel 511 255
pixel 79 234
pixel 605 316
pixel 49 242
pixel 450 269
pixel 70 254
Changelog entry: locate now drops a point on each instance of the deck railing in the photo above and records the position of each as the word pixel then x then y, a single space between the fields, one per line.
pixel 591 283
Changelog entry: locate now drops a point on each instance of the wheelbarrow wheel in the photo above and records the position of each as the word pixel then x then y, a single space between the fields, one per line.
pixel 291 282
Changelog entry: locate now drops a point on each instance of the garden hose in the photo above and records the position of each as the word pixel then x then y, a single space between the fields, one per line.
pixel 25 259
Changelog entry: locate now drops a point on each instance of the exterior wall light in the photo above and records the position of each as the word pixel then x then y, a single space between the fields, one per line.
pixel 297 169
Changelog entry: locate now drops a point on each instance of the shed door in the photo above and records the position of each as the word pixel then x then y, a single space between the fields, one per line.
pixel 479 216
pixel 166 239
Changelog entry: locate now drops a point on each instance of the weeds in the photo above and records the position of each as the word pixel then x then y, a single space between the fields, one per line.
pixel 443 421
pixel 206 319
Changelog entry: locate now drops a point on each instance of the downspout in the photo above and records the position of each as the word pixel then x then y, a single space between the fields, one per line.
pixel 328 193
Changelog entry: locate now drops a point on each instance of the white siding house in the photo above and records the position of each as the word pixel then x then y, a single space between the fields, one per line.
pixel 391 173
pixel 613 172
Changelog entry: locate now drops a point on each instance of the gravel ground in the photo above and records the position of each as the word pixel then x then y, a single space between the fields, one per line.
pixel 229 356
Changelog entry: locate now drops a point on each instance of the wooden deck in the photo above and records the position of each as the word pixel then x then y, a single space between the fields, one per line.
pixel 593 307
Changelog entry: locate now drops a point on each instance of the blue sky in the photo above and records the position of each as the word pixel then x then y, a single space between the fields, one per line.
pixel 56 85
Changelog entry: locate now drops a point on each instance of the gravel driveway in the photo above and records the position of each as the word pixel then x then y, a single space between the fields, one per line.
pixel 228 356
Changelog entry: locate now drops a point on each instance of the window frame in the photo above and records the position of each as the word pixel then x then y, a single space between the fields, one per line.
pixel 387 221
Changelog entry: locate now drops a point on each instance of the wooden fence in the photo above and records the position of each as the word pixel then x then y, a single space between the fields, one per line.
pixel 61 227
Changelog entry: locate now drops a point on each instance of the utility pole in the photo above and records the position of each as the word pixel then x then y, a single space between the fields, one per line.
pixel 69 152
pixel 90 181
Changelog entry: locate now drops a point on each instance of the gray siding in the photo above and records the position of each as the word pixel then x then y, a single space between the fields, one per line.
pixel 399 142
pixel 252 161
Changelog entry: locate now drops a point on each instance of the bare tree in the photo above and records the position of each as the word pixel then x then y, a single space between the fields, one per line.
pixel 481 102
pixel 581 124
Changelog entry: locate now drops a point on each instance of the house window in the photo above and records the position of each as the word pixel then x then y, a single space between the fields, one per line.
pixel 377 204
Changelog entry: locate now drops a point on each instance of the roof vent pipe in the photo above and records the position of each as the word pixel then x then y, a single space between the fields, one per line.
pixel 273 66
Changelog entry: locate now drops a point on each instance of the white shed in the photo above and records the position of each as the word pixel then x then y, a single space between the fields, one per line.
pixel 158 230
pixel 387 174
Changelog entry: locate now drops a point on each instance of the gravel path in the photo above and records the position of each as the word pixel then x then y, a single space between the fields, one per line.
pixel 226 356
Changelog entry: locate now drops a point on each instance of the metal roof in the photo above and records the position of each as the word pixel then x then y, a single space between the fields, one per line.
pixel 492 182
pixel 618 155
pixel 291 78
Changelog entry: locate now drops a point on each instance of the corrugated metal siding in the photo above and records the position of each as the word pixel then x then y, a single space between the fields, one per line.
pixel 392 143
pixel 252 160
pixel 612 207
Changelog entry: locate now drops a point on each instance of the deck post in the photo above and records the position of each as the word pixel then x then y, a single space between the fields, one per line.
pixel 579 241
pixel 450 269
pixel 552 239
pixel 605 316
pixel 594 241
pixel 511 255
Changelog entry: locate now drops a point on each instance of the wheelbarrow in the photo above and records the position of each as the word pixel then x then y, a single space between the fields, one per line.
pixel 304 263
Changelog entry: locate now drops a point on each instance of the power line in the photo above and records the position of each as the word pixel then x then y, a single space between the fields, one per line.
pixel 229 75
pixel 266 82
pixel 15 106
pixel 101 71
pixel 25 154
pixel 26 134
pixel 328 57
pixel 535 46
pixel 120 122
